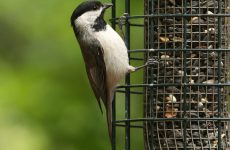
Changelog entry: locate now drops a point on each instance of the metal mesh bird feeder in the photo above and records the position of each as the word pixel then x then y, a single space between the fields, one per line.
pixel 186 92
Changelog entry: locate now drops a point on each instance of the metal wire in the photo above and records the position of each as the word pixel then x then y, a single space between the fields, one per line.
pixel 196 118
pixel 171 15
pixel 114 100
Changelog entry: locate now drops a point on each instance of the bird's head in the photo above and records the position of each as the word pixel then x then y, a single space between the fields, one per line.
pixel 89 12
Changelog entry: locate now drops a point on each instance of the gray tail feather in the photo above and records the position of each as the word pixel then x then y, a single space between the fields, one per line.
pixel 109 113
pixel 109 119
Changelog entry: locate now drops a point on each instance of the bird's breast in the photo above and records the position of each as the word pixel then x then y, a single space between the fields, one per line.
pixel 115 53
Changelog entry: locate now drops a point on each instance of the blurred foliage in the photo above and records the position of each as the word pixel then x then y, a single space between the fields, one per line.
pixel 46 102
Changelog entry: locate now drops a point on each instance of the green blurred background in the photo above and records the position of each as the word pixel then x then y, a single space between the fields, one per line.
pixel 46 102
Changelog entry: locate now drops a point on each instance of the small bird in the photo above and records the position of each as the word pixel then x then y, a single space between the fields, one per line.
pixel 104 52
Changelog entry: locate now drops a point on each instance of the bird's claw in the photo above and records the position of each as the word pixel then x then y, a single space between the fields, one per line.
pixel 150 62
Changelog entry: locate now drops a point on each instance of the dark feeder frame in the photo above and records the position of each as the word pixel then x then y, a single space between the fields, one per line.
pixel 185 95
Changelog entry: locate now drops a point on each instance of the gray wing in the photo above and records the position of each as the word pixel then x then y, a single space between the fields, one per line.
pixel 96 69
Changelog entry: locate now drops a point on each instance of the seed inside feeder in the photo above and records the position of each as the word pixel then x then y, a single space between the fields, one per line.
pixel 189 70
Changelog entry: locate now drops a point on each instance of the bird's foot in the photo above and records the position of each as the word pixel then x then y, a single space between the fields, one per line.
pixel 150 62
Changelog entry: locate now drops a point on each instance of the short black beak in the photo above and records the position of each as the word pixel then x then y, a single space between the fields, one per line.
pixel 107 5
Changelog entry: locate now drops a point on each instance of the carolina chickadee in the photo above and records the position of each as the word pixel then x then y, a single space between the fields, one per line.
pixel 103 50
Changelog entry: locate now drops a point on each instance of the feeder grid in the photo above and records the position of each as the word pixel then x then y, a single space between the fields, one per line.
pixel 186 91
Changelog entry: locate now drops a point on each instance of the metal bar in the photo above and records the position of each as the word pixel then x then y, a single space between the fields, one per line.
pixel 131 24
pixel 141 50
pixel 185 76
pixel 114 99
pixel 131 126
pixel 114 14
pixel 152 101
pixel 219 45
pixel 131 92
pixel 171 119
pixel 136 58
pixel 127 80
pixel 181 49
pixel 173 84
pixel 136 25
pixel 173 15
pixel 114 123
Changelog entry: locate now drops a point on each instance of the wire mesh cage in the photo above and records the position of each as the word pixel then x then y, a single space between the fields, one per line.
pixel 190 96
pixel 186 92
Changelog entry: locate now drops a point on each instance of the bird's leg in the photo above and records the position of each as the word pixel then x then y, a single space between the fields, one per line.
pixel 148 63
